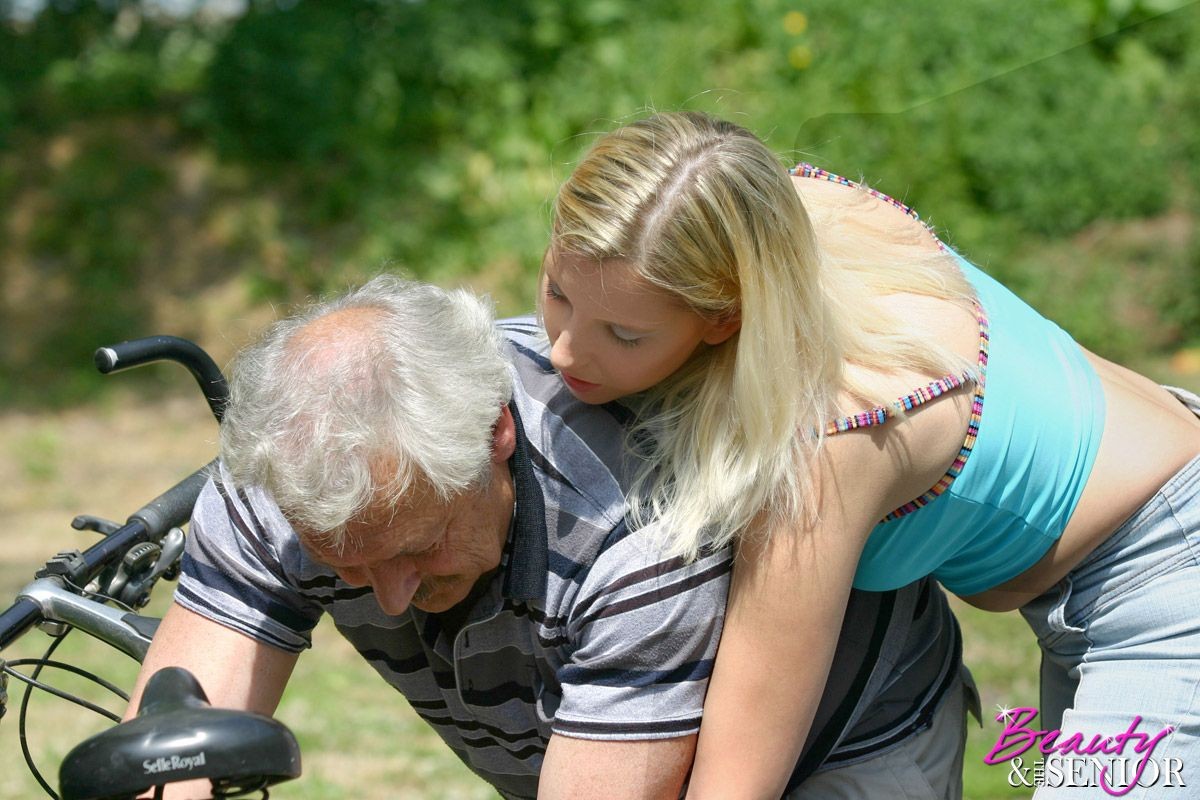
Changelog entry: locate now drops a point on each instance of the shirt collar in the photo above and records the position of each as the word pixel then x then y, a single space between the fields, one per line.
pixel 526 575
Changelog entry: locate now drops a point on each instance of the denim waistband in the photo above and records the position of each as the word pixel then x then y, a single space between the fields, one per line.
pixel 1177 495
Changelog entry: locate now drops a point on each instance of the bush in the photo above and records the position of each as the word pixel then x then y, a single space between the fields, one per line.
pixel 310 143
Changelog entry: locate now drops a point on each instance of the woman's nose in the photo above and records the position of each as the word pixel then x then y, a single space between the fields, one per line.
pixel 564 355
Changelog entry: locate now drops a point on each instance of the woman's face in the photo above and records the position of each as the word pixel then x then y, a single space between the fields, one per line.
pixel 611 333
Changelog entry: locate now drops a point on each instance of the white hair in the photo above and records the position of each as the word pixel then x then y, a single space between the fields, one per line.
pixel 352 401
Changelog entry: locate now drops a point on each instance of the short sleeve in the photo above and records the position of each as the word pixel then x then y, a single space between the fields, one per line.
pixel 644 633
pixel 233 573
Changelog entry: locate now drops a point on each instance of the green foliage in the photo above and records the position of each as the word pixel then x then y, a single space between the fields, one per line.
pixel 304 145
pixel 286 86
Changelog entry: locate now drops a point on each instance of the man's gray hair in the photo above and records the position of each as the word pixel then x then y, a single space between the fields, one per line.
pixel 353 400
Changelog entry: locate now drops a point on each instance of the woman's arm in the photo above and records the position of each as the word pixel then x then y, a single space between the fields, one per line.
pixel 784 615
pixel 582 769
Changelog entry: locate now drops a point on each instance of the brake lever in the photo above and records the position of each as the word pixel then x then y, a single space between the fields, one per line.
pixel 126 582
pixel 168 559
pixel 87 522
pixel 133 582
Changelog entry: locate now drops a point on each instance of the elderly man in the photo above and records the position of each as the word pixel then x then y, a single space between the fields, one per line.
pixel 395 460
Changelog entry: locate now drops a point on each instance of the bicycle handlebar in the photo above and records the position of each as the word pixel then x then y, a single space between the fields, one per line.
pixel 135 352
pixel 240 751
pixel 173 507
pixel 152 521
pixel 19 617
pixel 149 524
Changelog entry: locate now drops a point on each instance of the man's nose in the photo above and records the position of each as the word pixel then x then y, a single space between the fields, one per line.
pixel 394 585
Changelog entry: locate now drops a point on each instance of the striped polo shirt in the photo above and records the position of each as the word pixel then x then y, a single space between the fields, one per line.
pixel 587 629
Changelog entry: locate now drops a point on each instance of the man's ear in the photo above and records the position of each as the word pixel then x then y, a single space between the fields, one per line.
pixel 504 436
pixel 723 328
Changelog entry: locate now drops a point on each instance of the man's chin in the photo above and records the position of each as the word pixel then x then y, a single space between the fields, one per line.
pixel 435 606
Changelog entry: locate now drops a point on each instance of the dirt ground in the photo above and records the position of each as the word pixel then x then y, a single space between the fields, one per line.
pixel 106 461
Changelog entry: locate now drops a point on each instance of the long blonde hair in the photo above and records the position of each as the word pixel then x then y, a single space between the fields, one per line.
pixel 701 208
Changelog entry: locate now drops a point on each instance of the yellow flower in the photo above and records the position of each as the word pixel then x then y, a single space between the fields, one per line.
pixel 800 56
pixel 795 22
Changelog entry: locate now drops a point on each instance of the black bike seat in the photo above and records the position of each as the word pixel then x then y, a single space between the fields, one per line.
pixel 178 736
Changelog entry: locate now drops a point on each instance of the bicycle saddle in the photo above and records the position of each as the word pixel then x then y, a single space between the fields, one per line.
pixel 178 736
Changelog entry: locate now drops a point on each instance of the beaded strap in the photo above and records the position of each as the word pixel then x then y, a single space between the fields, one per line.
pixel 960 461
pixel 806 170
pixel 922 394
pixel 879 415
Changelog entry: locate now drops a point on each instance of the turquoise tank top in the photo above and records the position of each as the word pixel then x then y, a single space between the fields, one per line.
pixel 1040 416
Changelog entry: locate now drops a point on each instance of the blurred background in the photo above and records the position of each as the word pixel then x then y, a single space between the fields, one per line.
pixel 193 168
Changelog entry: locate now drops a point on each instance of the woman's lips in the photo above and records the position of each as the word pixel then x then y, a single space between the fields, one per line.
pixel 577 385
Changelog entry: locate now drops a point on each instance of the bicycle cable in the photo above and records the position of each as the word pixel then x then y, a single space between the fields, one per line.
pixel 31 682
pixel 86 595
pixel 21 716
pixel 60 693
pixel 233 792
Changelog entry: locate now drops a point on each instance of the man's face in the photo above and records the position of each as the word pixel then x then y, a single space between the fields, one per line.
pixel 423 552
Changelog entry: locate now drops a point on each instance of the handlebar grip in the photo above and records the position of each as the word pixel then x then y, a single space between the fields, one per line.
pixel 135 352
pixel 20 617
pixel 173 507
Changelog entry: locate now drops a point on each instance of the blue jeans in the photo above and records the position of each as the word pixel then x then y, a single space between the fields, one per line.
pixel 1120 639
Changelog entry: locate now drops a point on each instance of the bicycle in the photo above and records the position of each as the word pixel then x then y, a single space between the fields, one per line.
pixel 176 735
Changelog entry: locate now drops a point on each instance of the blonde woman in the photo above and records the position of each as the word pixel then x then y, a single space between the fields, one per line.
pixel 821 381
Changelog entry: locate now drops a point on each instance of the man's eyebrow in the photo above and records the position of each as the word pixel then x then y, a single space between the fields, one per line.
pixel 315 546
pixel 311 550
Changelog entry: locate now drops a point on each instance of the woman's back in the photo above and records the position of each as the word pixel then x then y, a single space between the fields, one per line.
pixel 1147 435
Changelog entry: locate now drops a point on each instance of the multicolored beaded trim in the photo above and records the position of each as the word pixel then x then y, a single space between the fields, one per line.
pixel 923 394
pixel 920 395
pixel 806 170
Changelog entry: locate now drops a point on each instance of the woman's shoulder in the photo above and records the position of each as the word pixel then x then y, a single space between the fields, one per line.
pixel 858 212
